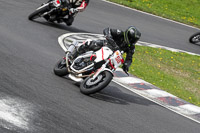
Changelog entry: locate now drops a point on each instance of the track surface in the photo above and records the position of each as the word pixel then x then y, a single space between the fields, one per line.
pixel 33 99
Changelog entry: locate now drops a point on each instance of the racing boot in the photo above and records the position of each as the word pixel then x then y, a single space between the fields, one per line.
pixel 47 17
pixel 69 21
pixel 85 46
pixel 52 18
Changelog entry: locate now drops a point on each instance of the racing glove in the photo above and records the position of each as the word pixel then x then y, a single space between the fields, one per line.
pixel 125 67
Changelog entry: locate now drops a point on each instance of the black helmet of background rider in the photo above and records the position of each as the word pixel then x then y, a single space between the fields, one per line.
pixel 131 35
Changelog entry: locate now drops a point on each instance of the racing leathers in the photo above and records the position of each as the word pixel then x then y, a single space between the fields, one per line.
pixel 118 36
pixel 76 6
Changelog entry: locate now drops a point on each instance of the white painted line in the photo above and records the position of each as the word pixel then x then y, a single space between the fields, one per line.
pixel 129 80
pixel 192 108
pixel 155 93
pixel 183 110
pixel 14 112
pixel 163 47
pixel 149 14
pixel 62 37
pixel 139 93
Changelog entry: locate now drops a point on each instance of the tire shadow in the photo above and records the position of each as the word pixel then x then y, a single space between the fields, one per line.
pixel 114 95
pixel 61 26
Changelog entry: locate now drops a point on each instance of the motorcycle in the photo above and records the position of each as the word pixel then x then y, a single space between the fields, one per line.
pixel 51 11
pixel 195 38
pixel 93 69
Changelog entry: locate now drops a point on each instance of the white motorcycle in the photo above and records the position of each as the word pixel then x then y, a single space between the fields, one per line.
pixel 93 69
pixel 195 38
pixel 51 11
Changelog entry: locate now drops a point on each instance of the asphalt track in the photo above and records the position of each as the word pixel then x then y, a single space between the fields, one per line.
pixel 33 99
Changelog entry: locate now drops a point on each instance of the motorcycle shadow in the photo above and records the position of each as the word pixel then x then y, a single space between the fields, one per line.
pixel 198 44
pixel 61 26
pixel 114 95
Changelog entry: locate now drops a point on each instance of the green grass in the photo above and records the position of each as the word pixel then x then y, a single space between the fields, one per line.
pixel 185 11
pixel 176 73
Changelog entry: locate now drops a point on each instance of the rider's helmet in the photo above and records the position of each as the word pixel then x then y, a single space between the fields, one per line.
pixel 131 35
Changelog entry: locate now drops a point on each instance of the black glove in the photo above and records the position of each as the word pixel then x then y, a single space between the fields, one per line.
pixel 125 67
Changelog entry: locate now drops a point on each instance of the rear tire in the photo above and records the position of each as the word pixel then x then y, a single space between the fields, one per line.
pixel 38 12
pixel 106 79
pixel 195 38
pixel 60 68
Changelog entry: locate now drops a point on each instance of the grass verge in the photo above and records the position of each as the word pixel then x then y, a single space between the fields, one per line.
pixel 176 73
pixel 184 11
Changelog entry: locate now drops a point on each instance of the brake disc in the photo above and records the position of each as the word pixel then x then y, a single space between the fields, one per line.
pixel 91 82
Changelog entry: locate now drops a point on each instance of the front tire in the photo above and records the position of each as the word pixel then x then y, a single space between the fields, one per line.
pixel 195 38
pixel 60 68
pixel 37 13
pixel 88 88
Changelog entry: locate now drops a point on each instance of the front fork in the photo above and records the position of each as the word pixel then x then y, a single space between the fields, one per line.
pixel 52 5
pixel 67 61
pixel 103 68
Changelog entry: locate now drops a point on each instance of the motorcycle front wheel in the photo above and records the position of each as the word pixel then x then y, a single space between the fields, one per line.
pixel 195 38
pixel 89 86
pixel 38 13
pixel 60 68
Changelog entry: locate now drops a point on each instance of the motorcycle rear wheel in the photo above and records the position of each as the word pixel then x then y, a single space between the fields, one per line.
pixel 195 38
pixel 37 13
pixel 101 84
pixel 60 68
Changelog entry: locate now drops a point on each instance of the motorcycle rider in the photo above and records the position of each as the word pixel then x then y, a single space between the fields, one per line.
pixel 76 6
pixel 125 41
